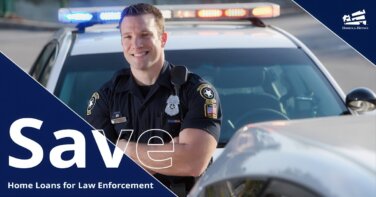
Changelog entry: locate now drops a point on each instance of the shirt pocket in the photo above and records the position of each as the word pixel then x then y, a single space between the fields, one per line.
pixel 123 134
pixel 172 125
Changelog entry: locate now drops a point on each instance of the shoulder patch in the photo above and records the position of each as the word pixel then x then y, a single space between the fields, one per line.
pixel 210 107
pixel 211 111
pixel 206 91
pixel 92 102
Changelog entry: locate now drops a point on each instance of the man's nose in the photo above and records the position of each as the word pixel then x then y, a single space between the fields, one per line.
pixel 137 43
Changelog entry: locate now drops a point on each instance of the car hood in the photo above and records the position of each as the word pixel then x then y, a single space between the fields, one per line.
pixel 353 137
pixel 334 156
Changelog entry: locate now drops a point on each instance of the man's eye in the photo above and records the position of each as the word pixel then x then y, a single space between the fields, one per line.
pixel 127 37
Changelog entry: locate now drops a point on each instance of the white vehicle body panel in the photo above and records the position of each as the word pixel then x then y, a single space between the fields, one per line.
pixel 333 156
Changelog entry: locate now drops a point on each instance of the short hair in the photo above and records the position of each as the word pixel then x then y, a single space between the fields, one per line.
pixel 141 9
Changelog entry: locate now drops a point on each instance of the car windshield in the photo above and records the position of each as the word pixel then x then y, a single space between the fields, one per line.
pixel 254 85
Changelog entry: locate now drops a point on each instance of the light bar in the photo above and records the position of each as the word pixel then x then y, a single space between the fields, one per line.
pixel 90 15
pixel 262 11
pixel 209 13
pixel 184 14
pixel 223 11
pixel 236 12
pixel 167 14
pixel 110 16
pixel 77 16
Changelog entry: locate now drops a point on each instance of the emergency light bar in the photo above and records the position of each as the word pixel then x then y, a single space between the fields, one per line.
pixel 99 15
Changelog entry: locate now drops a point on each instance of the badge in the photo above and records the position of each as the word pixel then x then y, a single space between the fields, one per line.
pixel 172 107
pixel 92 102
pixel 205 91
pixel 211 110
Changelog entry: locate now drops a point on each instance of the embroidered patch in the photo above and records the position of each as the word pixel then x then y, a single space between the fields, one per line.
pixel 211 110
pixel 205 91
pixel 92 102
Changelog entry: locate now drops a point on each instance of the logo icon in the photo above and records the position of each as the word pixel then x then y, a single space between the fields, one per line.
pixel 357 19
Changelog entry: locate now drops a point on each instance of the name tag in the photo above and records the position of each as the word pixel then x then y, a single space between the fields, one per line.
pixel 118 120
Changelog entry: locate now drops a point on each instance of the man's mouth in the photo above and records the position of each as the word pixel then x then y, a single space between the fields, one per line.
pixel 140 54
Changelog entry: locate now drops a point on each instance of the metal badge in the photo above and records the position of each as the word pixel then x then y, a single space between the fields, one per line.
pixel 172 107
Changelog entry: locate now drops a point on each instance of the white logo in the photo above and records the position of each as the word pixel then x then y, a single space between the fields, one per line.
pixel 208 93
pixel 357 19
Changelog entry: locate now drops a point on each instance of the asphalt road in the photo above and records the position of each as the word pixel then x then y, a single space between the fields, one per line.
pixel 348 67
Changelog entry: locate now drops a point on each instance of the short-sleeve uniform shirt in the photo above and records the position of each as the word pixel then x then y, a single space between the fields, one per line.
pixel 120 104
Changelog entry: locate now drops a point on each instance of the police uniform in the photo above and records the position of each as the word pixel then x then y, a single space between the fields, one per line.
pixel 122 104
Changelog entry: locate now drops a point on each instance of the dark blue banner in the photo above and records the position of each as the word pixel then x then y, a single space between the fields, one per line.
pixel 48 150
pixel 353 21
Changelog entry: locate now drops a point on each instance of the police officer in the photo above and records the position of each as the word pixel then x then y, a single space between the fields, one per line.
pixel 174 114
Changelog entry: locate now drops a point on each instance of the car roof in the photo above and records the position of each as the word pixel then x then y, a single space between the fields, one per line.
pixel 188 35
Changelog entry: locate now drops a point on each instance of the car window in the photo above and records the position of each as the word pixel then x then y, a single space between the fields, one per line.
pixel 281 188
pixel 254 85
pixel 256 187
pixel 235 187
pixel 42 67
pixel 84 74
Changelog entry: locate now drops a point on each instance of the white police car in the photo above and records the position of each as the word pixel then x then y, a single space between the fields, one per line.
pixel 331 156
pixel 261 72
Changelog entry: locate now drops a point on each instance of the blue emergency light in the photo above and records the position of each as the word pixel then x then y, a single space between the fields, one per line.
pixel 109 16
pixel 95 15
pixel 78 17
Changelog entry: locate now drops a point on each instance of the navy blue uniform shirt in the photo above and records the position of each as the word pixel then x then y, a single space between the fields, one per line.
pixel 120 104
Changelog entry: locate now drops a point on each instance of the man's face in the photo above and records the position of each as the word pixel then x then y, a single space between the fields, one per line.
pixel 142 42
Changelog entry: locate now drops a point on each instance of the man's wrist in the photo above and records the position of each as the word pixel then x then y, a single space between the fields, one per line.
pixel 122 144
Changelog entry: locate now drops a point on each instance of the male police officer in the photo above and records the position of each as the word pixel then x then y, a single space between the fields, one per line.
pixel 152 97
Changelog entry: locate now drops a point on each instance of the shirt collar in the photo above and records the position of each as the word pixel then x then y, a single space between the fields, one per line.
pixel 163 79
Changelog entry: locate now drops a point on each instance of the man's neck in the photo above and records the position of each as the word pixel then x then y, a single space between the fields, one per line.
pixel 147 77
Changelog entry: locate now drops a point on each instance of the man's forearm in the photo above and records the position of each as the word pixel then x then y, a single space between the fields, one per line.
pixel 189 155
pixel 168 159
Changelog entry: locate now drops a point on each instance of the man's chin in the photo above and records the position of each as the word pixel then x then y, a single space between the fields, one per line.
pixel 141 67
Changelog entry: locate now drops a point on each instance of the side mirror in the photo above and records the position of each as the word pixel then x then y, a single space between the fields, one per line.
pixel 361 100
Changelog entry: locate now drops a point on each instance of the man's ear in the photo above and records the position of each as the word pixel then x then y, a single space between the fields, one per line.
pixel 164 38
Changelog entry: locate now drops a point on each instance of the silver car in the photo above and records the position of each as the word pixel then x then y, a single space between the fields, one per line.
pixel 314 157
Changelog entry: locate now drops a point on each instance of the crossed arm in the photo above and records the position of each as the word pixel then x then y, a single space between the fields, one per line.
pixel 188 155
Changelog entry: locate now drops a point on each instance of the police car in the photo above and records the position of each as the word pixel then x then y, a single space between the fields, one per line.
pixel 261 72
pixel 310 158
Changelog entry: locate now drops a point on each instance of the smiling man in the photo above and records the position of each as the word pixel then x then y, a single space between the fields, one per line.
pixel 175 127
